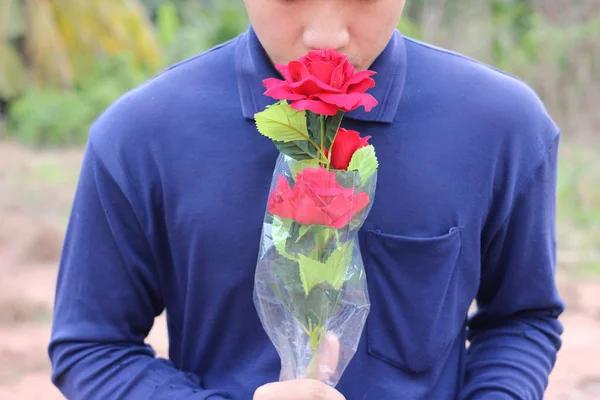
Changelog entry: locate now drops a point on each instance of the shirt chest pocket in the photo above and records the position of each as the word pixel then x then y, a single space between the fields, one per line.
pixel 415 293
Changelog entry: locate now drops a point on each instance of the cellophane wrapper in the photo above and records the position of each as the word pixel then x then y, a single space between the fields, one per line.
pixel 310 279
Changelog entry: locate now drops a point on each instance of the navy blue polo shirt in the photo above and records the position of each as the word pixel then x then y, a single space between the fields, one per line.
pixel 168 213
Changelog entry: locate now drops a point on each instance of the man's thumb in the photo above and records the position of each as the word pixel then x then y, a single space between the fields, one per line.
pixel 328 357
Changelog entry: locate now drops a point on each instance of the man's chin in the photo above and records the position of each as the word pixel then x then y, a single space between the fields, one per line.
pixel 358 65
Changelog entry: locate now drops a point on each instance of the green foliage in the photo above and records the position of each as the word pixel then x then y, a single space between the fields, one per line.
pixel 513 37
pixel 281 122
pixel 410 28
pixel 332 272
pixel 13 79
pixel 578 191
pixel 48 117
pixel 167 23
pixel 513 32
pixel 45 115
pixel 555 57
pixel 287 129
pixel 365 162
pixel 331 125
pixel 188 27
pixel 53 117
pixel 578 207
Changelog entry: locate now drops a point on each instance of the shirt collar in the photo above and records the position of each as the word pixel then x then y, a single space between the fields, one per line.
pixel 253 66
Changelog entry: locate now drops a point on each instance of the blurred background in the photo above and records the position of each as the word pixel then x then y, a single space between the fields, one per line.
pixel 63 61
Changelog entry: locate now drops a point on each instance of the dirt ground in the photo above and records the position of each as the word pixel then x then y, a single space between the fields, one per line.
pixel 35 195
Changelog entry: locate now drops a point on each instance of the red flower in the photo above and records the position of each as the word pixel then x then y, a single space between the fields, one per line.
pixel 323 82
pixel 317 198
pixel 345 144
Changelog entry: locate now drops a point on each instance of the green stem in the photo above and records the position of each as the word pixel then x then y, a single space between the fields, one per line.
pixel 337 128
pixel 323 127
pixel 319 150
pixel 321 237
pixel 315 335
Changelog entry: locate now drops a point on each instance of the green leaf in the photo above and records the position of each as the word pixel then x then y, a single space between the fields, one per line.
pixel 282 123
pixel 320 305
pixel 365 162
pixel 313 123
pixel 303 230
pixel 298 150
pixel 312 272
pixel 287 128
pixel 281 232
pixel 338 263
pixel 288 287
pixel 332 125
pixel 332 272
pixel 315 302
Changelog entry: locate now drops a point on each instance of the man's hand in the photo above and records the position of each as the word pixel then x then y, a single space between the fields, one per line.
pixel 308 389
pixel 299 389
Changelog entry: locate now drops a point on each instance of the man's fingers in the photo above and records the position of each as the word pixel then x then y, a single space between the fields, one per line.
pixel 301 389
pixel 322 367
pixel 328 357
pixel 325 362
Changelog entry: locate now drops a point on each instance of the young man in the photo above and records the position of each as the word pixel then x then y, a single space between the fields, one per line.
pixel 169 208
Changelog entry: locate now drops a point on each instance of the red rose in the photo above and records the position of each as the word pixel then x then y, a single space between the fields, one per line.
pixel 323 82
pixel 345 144
pixel 317 198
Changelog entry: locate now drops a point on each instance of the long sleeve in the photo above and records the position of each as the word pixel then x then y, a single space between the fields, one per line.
pixel 515 334
pixel 108 294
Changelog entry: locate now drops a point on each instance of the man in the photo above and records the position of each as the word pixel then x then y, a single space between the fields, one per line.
pixel 169 208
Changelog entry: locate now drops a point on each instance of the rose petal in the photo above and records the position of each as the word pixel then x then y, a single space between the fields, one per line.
pixel 345 144
pixel 336 56
pixel 348 71
pixel 283 92
pixel 282 68
pixel 307 213
pixel 364 141
pixel 296 72
pixel 360 87
pixel 270 82
pixel 316 106
pixel 359 77
pixel 321 71
pixel 311 86
pixel 350 101
pixel 339 210
pixel 306 190
pixel 367 101
pixel 321 185
pixel 306 204
pixel 318 55
pixel 342 101
pixel 344 213
pixel 337 77
pixel 283 186
pixel 279 201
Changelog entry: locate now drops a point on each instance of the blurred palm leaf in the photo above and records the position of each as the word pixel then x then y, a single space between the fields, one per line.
pixel 111 27
pixel 64 38
pixel 12 69
pixel 12 72
pixel 45 46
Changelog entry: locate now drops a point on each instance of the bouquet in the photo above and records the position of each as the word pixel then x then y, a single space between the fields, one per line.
pixel 310 287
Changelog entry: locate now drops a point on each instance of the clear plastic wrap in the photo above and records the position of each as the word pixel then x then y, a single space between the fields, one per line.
pixel 310 285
